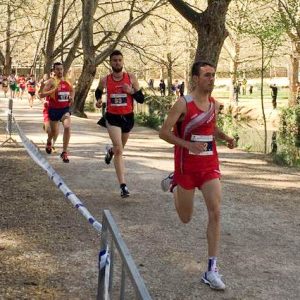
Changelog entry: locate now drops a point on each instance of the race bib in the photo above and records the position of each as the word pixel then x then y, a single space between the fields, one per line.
pixel 118 99
pixel 207 139
pixel 63 96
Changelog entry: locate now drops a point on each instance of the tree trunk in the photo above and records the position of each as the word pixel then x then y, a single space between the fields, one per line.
pixel 51 37
pixel 210 27
pixel 82 89
pixel 293 79
pixel 169 73
pixel 8 60
pixel 262 94
pixel 210 37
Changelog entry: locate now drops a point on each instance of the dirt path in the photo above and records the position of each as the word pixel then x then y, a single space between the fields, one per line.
pixel 49 251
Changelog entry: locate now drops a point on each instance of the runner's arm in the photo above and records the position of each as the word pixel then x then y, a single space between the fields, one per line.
pixel 166 133
pixel 99 92
pixel 47 88
pixel 135 90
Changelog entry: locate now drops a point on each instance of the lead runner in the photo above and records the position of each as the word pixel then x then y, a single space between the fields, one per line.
pixel 193 118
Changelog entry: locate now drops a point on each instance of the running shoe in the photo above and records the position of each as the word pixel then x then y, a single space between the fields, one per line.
pixel 48 148
pixel 64 157
pixel 108 154
pixel 213 279
pixel 167 182
pixel 124 192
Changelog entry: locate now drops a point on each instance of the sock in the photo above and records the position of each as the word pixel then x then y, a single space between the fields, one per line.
pixel 212 264
pixel 122 185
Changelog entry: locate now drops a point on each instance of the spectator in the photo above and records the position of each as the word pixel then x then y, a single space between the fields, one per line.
pixel 251 89
pixel 274 91
pixel 244 86
pixel 162 87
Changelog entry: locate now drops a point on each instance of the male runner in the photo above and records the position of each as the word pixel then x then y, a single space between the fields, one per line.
pixel 22 85
pixel 60 94
pixel 121 88
pixel 45 101
pixel 193 118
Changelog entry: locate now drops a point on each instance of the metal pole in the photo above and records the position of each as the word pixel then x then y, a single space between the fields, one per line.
pixel 101 276
pixel 9 123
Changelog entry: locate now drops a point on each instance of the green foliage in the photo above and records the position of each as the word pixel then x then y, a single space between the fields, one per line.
pixel 231 119
pixel 151 121
pixel 289 137
pixel 159 105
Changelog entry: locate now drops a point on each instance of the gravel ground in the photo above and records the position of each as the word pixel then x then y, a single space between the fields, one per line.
pixel 49 251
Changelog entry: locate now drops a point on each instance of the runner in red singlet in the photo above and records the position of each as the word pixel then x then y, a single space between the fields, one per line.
pixel 46 118
pixel 121 88
pixel 22 85
pixel 31 88
pixel 193 118
pixel 60 95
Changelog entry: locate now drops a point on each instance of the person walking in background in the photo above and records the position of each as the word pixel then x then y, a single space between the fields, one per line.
pixel 274 92
pixel 162 87
pixel 121 88
pixel 191 127
pixel 250 89
pixel 244 86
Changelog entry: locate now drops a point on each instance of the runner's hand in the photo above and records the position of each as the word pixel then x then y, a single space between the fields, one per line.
pixel 231 143
pixel 127 89
pixel 197 147
pixel 99 103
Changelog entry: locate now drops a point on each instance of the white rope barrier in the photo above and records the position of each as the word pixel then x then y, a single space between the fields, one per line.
pixel 36 155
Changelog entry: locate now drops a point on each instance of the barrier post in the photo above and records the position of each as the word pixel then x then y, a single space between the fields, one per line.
pixel 128 266
pixel 9 124
pixel 101 275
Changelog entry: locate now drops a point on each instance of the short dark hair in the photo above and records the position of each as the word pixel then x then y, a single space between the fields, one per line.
pixel 114 53
pixel 198 64
pixel 58 63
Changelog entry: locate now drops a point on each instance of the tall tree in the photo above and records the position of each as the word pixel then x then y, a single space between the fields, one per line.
pixel 268 32
pixel 209 24
pixel 289 11
pixel 99 41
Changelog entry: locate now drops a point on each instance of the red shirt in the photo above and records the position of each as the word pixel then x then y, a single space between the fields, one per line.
pixel 118 102
pixel 197 126
pixel 60 98
pixel 31 86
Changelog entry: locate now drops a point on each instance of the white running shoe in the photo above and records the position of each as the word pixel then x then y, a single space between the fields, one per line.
pixel 213 279
pixel 108 154
pixel 166 182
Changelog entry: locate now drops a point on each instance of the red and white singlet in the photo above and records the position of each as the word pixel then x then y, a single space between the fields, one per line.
pixel 197 126
pixel 31 86
pixel 118 102
pixel 60 98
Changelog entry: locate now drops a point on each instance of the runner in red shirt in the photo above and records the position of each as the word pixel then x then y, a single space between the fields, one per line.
pixel 60 95
pixel 46 118
pixel 193 118
pixel 121 88
pixel 31 88
pixel 22 85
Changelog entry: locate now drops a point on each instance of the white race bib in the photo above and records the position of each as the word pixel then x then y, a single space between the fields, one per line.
pixel 208 139
pixel 118 99
pixel 63 96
